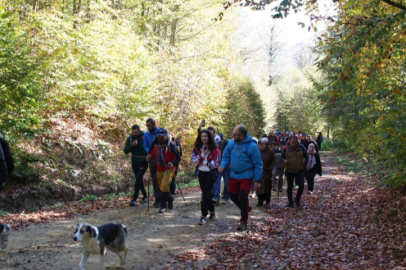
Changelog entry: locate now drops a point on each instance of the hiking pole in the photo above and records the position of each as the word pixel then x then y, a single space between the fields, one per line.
pixel 180 190
pixel 148 185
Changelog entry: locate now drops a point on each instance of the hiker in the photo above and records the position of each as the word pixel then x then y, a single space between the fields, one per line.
pixel 309 140
pixel 139 164
pixel 277 173
pixel 176 140
pixel 303 141
pixel 245 160
pixel 295 159
pixel 149 137
pixel 313 167
pixel 6 161
pixel 202 125
pixel 319 140
pixel 265 187
pixel 221 144
pixel 207 156
pixel 167 158
pixel 273 138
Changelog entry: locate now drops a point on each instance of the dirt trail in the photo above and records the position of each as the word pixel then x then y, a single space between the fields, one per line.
pixel 152 236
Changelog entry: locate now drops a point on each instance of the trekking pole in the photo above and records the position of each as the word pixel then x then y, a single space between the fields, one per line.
pixel 148 185
pixel 180 191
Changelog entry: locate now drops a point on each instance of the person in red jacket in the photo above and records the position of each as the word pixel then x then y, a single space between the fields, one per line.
pixel 167 158
pixel 207 157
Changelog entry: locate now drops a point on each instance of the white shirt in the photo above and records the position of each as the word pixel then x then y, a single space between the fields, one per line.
pixel 203 167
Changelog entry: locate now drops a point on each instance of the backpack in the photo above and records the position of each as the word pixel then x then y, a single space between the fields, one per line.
pixel 245 149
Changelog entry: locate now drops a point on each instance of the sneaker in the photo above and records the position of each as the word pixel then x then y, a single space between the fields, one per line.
pixel 254 194
pixel 260 204
pixel 4 235
pixel 133 203
pixel 202 221
pixel 156 204
pixel 310 192
pixel 242 226
pixel 251 193
pixel 212 215
pixel 290 205
pixel 216 201
pixel 145 199
pixel 296 187
pixel 162 210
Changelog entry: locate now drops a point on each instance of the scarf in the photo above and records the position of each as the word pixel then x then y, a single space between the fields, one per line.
pixel 161 149
pixel 312 160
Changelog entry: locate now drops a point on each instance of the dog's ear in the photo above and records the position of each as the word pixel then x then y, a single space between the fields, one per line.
pixel 91 231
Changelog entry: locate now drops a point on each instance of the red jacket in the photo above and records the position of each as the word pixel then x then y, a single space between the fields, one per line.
pixel 213 159
pixel 170 155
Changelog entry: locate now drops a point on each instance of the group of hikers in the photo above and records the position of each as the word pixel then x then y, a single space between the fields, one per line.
pixel 247 166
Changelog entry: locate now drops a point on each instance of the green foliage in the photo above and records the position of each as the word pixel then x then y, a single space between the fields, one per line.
pixel 88 198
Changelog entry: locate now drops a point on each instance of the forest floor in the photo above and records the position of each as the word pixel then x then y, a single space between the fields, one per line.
pixel 350 222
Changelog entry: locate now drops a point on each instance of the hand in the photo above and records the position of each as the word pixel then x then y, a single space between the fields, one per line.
pixel 134 143
pixel 203 123
pixel 286 162
pixel 221 169
pixel 206 152
pixel 256 186
pixel 170 165
pixel 148 158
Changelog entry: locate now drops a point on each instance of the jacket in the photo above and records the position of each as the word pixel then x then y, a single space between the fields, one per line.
pixel 138 152
pixel 7 155
pixel 149 138
pixel 213 159
pixel 3 164
pixel 170 154
pixel 295 158
pixel 244 164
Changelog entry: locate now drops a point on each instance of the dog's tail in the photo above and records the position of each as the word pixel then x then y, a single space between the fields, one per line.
pixel 125 230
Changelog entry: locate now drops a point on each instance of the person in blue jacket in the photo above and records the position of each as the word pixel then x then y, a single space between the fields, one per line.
pixel 243 155
pixel 149 138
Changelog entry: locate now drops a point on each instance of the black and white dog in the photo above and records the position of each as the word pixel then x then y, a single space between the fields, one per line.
pixel 4 230
pixel 96 240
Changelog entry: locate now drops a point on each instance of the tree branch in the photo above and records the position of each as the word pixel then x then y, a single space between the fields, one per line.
pixel 394 4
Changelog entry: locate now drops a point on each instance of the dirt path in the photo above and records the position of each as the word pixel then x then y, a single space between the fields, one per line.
pixel 152 236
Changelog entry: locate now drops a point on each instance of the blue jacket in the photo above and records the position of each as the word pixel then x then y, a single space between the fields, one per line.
pixel 149 139
pixel 243 165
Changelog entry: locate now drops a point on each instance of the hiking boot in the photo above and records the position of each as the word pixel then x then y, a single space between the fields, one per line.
pixel 216 201
pixel 290 205
pixel 298 204
pixel 133 203
pixel 202 221
pixel 242 226
pixel 156 204
pixel 162 210
pixel 144 199
pixel 212 215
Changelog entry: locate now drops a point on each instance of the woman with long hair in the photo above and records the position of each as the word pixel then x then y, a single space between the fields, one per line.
pixel 207 157
pixel 313 167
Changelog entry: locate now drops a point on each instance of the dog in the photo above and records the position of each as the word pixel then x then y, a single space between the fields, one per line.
pixel 4 230
pixel 96 240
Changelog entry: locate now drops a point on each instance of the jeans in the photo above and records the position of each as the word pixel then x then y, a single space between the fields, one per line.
pixel 299 179
pixel 154 178
pixel 139 171
pixel 217 186
pixel 206 181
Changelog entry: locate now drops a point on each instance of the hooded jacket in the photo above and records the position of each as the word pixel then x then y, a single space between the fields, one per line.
pixel 244 165
pixel 149 138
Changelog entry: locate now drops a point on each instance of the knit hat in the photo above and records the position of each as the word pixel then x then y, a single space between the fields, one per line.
pixel 264 140
pixel 217 138
pixel 221 135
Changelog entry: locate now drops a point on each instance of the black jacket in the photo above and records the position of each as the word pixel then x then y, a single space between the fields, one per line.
pixel 6 159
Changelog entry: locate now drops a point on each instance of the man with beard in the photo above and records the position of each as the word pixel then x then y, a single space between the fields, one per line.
pixel 296 159
pixel 246 165
pixel 149 138
pixel 167 158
